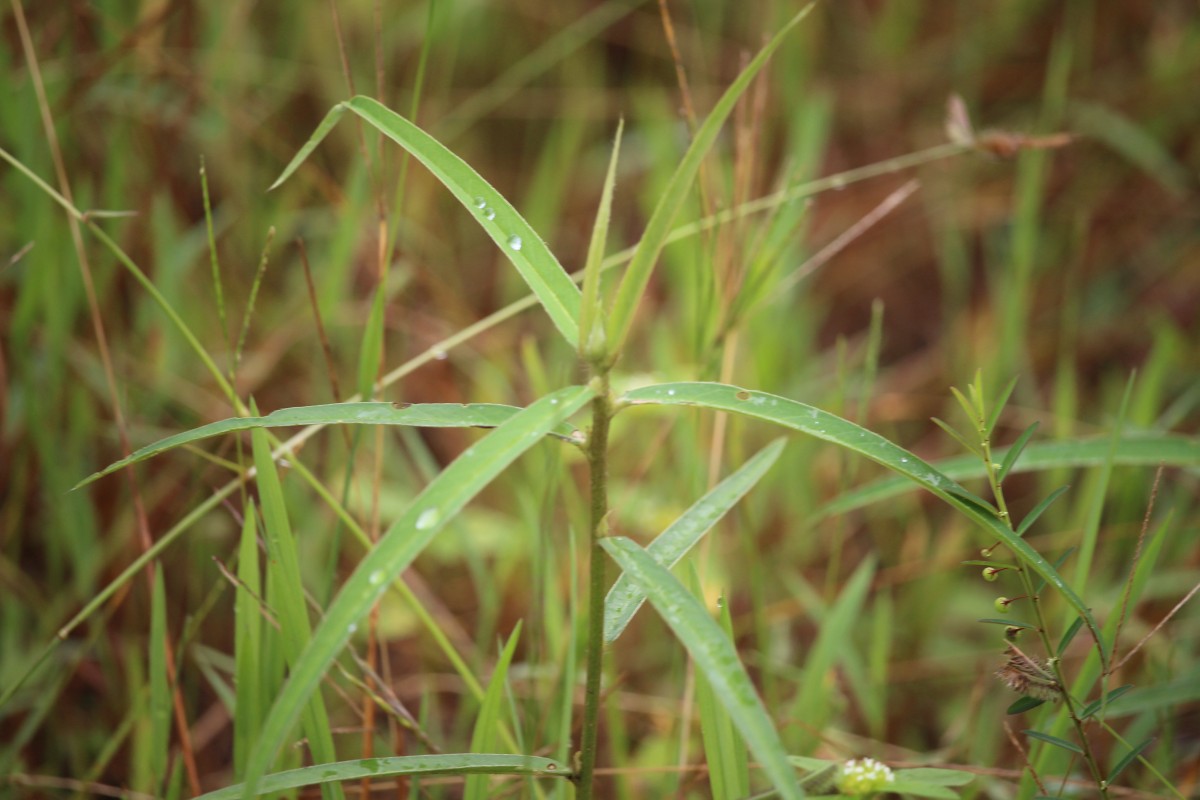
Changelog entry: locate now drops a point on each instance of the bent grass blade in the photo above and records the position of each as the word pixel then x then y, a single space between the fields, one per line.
pixel 834 429
pixel 516 239
pixel 425 415
pixel 626 596
pixel 714 655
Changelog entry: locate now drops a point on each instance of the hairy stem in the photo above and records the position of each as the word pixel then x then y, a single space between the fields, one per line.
pixel 597 582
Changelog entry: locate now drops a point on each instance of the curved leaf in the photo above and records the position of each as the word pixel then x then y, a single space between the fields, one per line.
pixel 425 415
pixel 508 229
pixel 714 655
pixel 637 274
pixel 834 429
pixel 626 597
pixel 445 764
pixel 444 497
pixel 1147 450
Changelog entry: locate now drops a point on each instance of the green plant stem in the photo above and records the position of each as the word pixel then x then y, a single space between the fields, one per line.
pixel 1043 634
pixel 597 583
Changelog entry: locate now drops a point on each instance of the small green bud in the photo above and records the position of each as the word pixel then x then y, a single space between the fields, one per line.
pixel 1001 604
pixel 990 574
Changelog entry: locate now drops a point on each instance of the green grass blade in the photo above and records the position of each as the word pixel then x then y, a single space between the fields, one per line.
pixel 637 275
pixel 295 630
pixel 714 655
pixel 626 597
pixel 426 415
pixel 444 764
pixel 834 429
pixel 247 676
pixel 318 136
pixel 487 723
pixel 834 634
pixel 444 497
pixel 1143 450
pixel 724 754
pixel 512 234
pixel 370 352
pixel 592 323
pixel 160 691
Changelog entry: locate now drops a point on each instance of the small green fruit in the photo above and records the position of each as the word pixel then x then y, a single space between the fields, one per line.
pixel 1001 604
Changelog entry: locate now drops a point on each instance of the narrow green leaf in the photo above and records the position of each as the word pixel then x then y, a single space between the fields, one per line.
pixel 1069 636
pixel 1128 759
pixel 626 597
pixel 998 408
pixel 592 323
pixel 834 429
pixel 967 444
pixel 1014 452
pixel 484 737
pixel 724 753
pixel 637 274
pixel 425 415
pixel 160 691
pixel 833 637
pixel 714 655
pixel 1039 509
pixel 327 124
pixel 295 629
pixel 508 229
pixel 444 764
pixel 1138 450
pixel 1054 740
pixel 968 406
pixel 443 498
pixel 1183 689
pixel 1058 562
pixel 371 350
pixel 247 647
pixel 1024 704
pixel 1094 706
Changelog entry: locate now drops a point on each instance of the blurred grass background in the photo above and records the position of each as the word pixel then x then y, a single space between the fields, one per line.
pixel 1068 269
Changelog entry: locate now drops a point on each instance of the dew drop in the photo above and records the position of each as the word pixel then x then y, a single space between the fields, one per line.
pixel 553 401
pixel 480 202
pixel 838 183
pixel 440 355
pixel 670 392
pixel 376 577
pixel 353 627
pixel 428 519
pixel 514 242
pixel 903 460
pixel 489 213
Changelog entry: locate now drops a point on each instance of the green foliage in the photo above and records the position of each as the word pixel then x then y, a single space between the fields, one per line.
pixel 306 577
